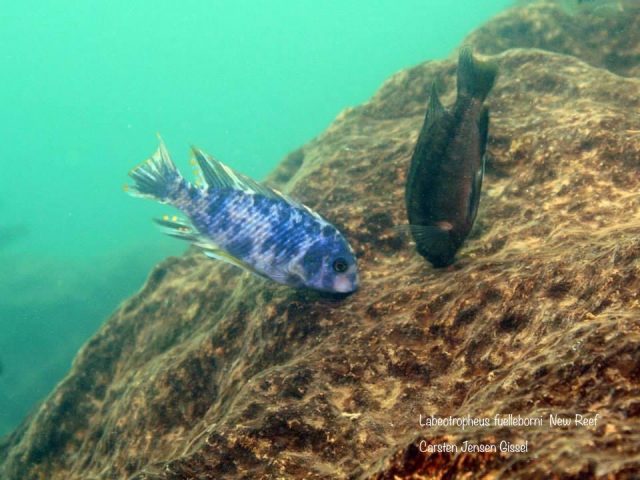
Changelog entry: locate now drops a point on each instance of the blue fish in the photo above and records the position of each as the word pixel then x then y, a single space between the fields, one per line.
pixel 235 219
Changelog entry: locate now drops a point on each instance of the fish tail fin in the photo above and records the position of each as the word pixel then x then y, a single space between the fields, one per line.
pixel 157 177
pixel 475 78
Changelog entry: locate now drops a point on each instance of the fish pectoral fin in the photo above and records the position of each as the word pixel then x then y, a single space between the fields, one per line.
pixel 425 233
pixel 431 233
pixel 184 230
pixel 216 253
pixel 219 254
pixel 403 231
pixel 287 278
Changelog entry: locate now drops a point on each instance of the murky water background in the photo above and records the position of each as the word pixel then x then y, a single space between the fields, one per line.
pixel 86 87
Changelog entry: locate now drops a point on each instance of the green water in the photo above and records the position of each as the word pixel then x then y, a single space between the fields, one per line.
pixel 85 87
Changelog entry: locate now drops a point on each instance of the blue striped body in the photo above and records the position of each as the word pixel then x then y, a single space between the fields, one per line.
pixel 273 237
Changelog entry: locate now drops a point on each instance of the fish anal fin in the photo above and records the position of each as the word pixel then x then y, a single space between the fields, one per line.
pixel 177 227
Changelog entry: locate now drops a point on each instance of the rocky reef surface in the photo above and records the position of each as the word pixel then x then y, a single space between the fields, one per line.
pixel 210 373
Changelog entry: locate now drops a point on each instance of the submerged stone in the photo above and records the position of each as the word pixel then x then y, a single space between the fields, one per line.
pixel 211 374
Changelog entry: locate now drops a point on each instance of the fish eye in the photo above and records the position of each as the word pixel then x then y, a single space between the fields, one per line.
pixel 340 265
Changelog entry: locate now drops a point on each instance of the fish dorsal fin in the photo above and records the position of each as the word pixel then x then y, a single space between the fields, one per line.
pixel 218 175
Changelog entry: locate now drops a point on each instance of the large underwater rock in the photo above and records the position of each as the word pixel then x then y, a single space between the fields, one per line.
pixel 210 373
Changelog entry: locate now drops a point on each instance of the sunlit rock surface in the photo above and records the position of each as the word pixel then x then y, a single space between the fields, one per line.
pixel 210 373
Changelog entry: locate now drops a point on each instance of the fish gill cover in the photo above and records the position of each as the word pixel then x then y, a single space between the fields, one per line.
pixel 208 374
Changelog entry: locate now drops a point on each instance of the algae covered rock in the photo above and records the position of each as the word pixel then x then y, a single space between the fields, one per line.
pixel 210 373
pixel 602 33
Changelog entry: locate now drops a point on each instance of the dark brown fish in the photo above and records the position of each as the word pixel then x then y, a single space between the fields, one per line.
pixel 445 177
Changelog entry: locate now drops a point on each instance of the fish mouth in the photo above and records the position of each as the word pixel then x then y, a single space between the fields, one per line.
pixel 345 284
